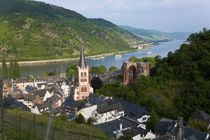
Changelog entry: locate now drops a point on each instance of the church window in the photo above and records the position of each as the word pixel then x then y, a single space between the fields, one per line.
pixel 85 73
pixel 81 73
pixel 85 89
pixel 82 89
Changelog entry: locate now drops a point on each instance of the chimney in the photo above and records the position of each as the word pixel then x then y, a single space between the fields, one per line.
pixel 180 127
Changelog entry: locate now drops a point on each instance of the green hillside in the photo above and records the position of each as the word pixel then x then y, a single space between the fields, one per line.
pixel 32 30
pixel 21 125
pixel 178 85
pixel 154 35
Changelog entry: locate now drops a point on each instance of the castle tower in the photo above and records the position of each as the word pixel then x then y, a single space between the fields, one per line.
pixel 84 89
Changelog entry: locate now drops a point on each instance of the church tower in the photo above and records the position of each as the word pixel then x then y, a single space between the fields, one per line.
pixel 84 89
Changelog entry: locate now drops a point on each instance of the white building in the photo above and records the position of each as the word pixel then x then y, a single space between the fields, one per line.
pixel 108 112
pixel 88 112
pixel 66 89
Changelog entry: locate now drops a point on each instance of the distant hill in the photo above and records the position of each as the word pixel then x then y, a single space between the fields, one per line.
pixel 31 30
pixel 155 35
pixel 131 38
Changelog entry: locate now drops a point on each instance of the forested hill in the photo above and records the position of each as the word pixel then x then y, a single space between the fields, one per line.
pixel 32 30
pixel 179 83
pixel 154 35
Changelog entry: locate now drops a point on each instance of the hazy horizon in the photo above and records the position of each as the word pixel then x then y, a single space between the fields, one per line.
pixel 163 15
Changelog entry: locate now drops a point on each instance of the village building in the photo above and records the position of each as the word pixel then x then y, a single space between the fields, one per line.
pixel 134 111
pixel 166 129
pixel 201 116
pixel 22 83
pixel 115 127
pixel 108 112
pixel 138 133
pixel 83 88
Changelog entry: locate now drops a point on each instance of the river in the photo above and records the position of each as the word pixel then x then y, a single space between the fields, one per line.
pixel 161 49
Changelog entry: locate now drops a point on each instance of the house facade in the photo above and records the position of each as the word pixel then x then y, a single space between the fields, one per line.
pixel 108 112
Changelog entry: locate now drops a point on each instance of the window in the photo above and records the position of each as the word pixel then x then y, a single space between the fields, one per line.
pixel 81 73
pixel 85 73
pixel 85 89
pixel 82 89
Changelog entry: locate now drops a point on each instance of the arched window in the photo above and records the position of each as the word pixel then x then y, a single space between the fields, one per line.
pixel 81 73
pixel 82 89
pixel 85 74
pixel 85 89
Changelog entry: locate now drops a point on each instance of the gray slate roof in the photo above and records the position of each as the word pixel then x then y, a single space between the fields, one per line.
pixel 109 107
pixel 135 131
pixel 201 115
pixel 190 132
pixel 132 110
pixel 82 62
pixel 163 127
pixel 110 127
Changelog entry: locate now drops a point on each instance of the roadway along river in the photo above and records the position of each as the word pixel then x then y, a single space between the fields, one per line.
pixel 161 49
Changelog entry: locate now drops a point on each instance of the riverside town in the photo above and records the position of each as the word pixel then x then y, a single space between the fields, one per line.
pixel 65 76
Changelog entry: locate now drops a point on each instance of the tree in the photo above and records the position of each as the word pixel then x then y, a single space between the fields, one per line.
pixel 94 69
pixel 80 119
pixel 113 68
pixel 152 121
pixel 96 83
pixel 89 121
pixel 102 69
pixel 16 69
pixel 11 70
pixel 197 124
pixel 4 69
pixel 133 59
pixel 72 70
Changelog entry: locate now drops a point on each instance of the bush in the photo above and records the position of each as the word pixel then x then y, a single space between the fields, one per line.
pixel 63 117
pixel 89 121
pixel 80 119
pixel 113 68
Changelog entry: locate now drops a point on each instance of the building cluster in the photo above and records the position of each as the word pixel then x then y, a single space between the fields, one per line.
pixel 115 117
pixel 167 129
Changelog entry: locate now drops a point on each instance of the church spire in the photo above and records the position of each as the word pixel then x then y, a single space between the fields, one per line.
pixel 82 62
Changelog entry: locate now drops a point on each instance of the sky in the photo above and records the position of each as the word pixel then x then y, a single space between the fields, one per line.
pixel 163 15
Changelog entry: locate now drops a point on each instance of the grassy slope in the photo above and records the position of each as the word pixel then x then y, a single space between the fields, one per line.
pixel 65 130
pixel 35 30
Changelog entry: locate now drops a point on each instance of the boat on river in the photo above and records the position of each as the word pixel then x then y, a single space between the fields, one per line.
pixel 118 56
pixel 149 52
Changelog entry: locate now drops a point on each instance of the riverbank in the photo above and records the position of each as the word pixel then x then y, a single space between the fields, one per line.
pixel 28 63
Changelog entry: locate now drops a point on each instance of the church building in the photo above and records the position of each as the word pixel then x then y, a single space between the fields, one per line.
pixel 83 88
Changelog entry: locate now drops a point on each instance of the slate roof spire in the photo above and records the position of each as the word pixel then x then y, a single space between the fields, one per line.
pixel 82 62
